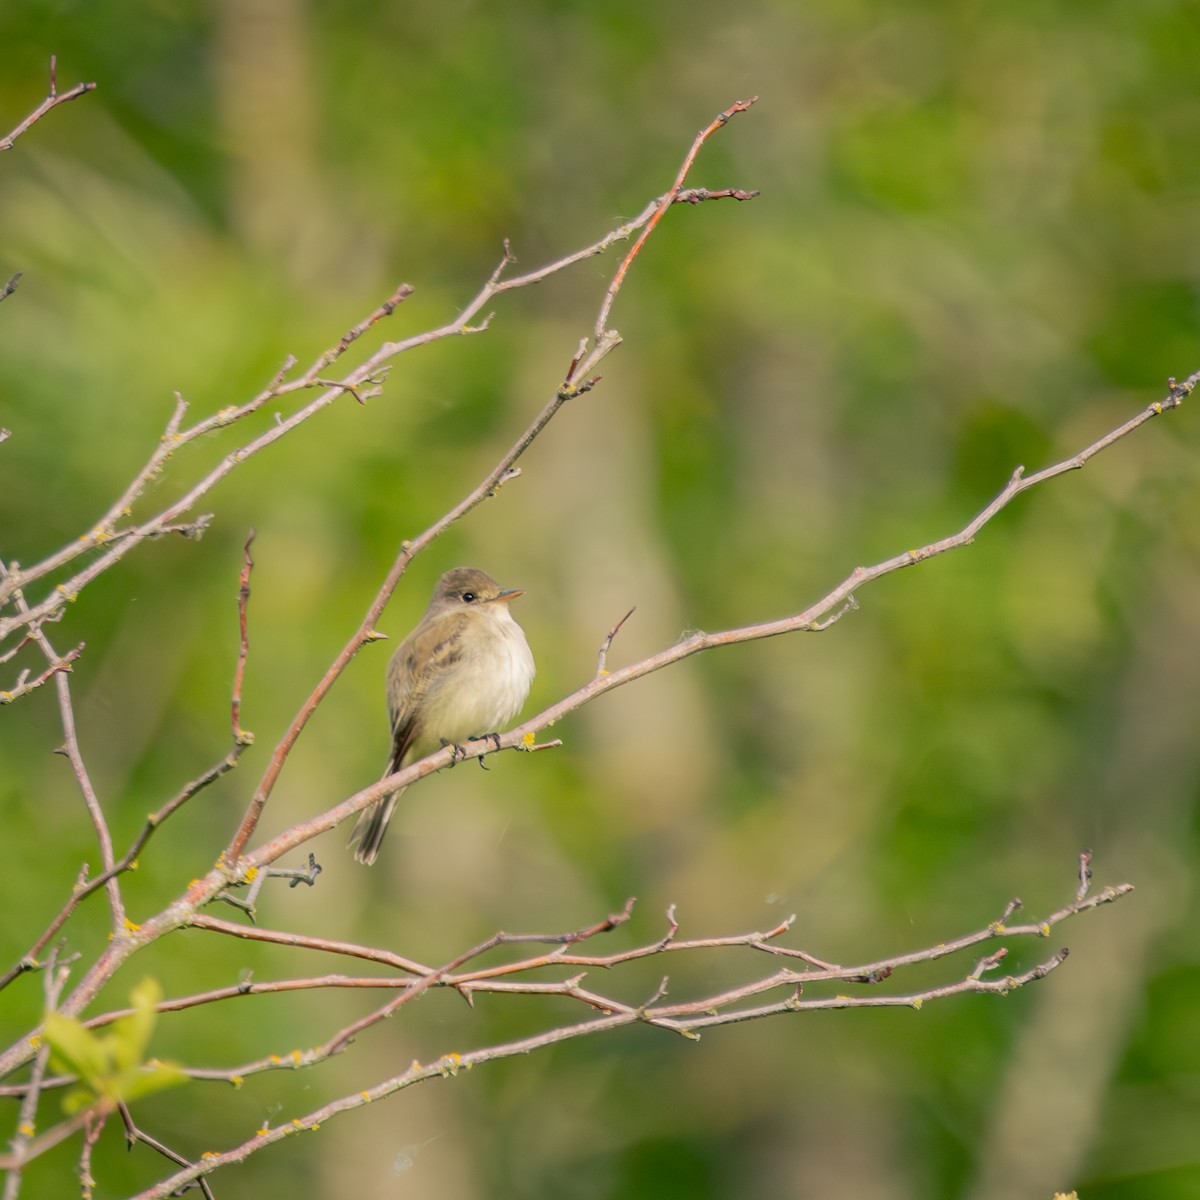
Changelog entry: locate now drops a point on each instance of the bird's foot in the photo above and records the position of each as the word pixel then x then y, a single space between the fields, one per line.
pixel 460 752
pixel 486 737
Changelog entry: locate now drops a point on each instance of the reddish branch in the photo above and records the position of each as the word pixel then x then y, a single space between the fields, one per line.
pixel 575 385
pixel 117 533
pixel 114 540
pixel 815 618
pixel 603 1011
pixel 667 200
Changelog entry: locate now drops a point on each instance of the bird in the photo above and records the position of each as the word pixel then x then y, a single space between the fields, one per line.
pixel 462 673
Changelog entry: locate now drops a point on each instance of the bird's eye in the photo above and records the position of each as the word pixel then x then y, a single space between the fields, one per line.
pixel 468 597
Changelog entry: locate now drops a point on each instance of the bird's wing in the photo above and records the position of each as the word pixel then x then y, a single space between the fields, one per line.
pixel 420 682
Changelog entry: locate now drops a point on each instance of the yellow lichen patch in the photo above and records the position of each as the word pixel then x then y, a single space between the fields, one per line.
pixel 528 739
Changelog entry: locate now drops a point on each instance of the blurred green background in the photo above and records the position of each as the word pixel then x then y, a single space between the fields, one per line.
pixel 977 245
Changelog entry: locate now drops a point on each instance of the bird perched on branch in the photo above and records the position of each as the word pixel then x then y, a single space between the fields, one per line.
pixel 463 672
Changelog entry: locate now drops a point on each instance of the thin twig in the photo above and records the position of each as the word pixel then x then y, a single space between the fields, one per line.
pixel 55 979
pixel 687 1019
pixel 606 646
pixel 85 887
pixel 720 120
pixel 74 755
pixel 239 673
pixel 114 543
pixel 24 685
pixel 807 620
pixel 499 474
pixel 134 1134
pixel 52 100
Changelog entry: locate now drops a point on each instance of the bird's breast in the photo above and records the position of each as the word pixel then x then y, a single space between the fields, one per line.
pixel 485 688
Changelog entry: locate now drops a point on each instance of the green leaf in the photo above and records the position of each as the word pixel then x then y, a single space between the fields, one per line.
pixel 73 1049
pixel 111 1066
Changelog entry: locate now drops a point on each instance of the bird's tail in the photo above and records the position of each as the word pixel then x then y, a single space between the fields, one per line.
pixel 367 835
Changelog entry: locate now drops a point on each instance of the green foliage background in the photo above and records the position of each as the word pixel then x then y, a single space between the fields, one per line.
pixel 976 246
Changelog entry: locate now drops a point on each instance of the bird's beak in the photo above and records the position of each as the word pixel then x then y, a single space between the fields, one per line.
pixel 507 594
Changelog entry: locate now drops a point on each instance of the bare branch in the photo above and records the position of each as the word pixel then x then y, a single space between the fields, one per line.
pixel 71 750
pixel 602 331
pixel 85 887
pixel 602 657
pixel 811 619
pixel 501 473
pixel 362 383
pixel 53 99
pixel 239 673
pixel 606 1013
pixel 24 684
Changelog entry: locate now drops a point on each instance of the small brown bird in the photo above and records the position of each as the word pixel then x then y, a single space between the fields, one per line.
pixel 463 672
